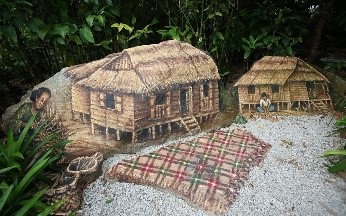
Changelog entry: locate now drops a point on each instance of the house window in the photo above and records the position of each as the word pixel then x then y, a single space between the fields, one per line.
pixel 205 90
pixel 275 89
pixel 160 98
pixel 109 101
pixel 251 89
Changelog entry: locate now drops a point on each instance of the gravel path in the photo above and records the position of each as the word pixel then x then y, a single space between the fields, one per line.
pixel 292 181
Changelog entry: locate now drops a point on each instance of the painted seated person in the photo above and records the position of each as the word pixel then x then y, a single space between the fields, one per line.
pixel 265 104
pixel 21 117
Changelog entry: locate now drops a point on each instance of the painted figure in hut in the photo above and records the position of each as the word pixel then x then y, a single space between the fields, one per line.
pixel 21 117
pixel 265 104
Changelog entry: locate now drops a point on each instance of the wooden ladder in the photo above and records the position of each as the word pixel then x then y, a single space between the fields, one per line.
pixel 190 123
pixel 320 105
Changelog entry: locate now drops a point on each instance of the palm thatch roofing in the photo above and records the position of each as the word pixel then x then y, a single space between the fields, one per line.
pixel 81 71
pixel 147 68
pixel 278 70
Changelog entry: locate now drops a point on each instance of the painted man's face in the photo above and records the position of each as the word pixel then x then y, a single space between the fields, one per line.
pixel 41 101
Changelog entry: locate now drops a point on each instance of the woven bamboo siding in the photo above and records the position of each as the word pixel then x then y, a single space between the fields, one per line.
pixel 142 108
pixel 175 102
pixel 112 118
pixel 286 93
pixel 80 99
pixel 196 97
pixel 298 91
pixel 215 99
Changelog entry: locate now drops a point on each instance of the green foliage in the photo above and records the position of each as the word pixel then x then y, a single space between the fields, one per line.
pixel 240 119
pixel 338 161
pixel 21 164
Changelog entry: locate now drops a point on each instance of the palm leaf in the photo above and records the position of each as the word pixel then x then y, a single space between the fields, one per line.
pixel 340 166
pixel 6 190
pixel 27 204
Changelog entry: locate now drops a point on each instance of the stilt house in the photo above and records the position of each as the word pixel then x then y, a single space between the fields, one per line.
pixel 289 82
pixel 145 90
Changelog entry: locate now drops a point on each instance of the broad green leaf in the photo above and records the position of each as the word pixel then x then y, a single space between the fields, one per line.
pixel 5 194
pixel 115 25
pixel 39 27
pixel 10 33
pixel 76 39
pixel 105 44
pixel 247 54
pixel 252 40
pixel 60 40
pixel 133 20
pixel 127 27
pixel 61 29
pixel 100 19
pixel 86 34
pixel 90 20
pixel 220 36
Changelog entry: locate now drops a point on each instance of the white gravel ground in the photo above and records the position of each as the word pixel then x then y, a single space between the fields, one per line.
pixel 292 181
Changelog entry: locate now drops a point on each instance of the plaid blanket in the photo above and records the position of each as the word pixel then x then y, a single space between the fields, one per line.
pixel 207 171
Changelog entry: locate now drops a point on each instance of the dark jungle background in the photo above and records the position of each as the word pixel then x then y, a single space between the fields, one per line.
pixel 38 37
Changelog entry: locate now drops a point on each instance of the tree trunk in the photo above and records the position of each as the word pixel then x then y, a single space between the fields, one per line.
pixel 325 13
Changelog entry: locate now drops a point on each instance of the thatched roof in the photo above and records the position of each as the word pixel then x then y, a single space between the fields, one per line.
pixel 148 68
pixel 81 71
pixel 278 70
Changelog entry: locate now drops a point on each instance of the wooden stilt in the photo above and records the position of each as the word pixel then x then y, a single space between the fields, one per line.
pixel 169 127
pixel 118 134
pixel 160 129
pixel 153 132
pixel 107 133
pixel 92 129
pixel 134 137
pixel 240 106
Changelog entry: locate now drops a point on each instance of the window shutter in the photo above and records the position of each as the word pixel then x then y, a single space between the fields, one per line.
pixel 102 99
pixel 118 103
pixel 152 105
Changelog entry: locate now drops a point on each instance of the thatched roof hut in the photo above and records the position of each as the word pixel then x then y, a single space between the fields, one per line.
pixel 286 79
pixel 279 70
pixel 144 87
pixel 147 68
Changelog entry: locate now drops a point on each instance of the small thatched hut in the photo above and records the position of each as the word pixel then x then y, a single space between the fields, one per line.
pixel 144 90
pixel 289 81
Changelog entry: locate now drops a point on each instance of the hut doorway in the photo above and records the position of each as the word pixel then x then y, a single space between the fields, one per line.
pixel 184 101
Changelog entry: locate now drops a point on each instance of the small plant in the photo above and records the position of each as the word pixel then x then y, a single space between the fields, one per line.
pixel 240 119
pixel 338 163
pixel 22 166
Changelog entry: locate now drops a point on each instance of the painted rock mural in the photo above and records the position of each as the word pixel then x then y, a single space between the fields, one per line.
pixel 140 94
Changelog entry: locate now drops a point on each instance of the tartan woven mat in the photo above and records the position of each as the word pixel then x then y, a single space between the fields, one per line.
pixel 207 171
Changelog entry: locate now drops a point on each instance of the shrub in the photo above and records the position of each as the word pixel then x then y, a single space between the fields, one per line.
pixel 22 165
pixel 338 161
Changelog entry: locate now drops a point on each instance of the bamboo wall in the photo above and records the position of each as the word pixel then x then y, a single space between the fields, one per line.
pixel 80 99
pixel 282 96
pixel 119 120
pixel 144 114
pixel 298 91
